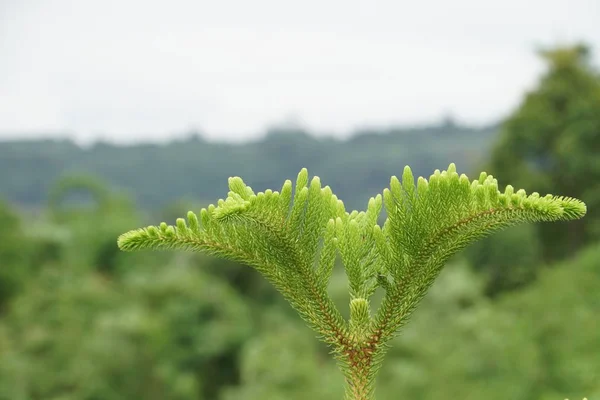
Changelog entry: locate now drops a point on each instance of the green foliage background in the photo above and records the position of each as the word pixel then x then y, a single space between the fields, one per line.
pixel 513 317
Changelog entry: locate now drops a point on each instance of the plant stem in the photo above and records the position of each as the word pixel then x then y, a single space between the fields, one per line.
pixel 359 380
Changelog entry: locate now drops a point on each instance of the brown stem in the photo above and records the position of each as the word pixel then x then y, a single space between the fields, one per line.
pixel 359 382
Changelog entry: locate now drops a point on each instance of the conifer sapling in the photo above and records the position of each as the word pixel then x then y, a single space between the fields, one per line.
pixel 293 237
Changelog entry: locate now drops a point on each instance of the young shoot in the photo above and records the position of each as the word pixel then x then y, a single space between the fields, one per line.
pixel 293 237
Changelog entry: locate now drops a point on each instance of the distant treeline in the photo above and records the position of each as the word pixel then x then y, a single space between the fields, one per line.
pixel 196 169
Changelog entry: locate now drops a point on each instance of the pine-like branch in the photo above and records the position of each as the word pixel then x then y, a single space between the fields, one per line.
pixel 294 239
pixel 429 223
pixel 269 231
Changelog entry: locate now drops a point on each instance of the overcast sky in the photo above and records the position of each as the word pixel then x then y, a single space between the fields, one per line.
pixel 130 70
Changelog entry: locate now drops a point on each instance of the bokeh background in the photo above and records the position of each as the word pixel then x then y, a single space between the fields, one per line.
pixel 118 114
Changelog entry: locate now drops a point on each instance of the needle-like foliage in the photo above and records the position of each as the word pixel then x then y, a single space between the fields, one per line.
pixel 293 239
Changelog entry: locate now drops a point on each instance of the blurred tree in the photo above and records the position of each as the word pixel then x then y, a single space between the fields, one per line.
pixel 283 363
pixel 508 260
pixel 79 202
pixel 551 143
pixel 14 251
pixel 159 333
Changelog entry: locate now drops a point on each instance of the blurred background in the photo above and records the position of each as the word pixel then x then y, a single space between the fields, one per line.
pixel 119 114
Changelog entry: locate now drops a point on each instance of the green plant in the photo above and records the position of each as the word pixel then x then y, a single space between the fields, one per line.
pixel 293 239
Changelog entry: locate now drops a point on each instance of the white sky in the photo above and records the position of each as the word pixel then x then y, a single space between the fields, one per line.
pixel 131 70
